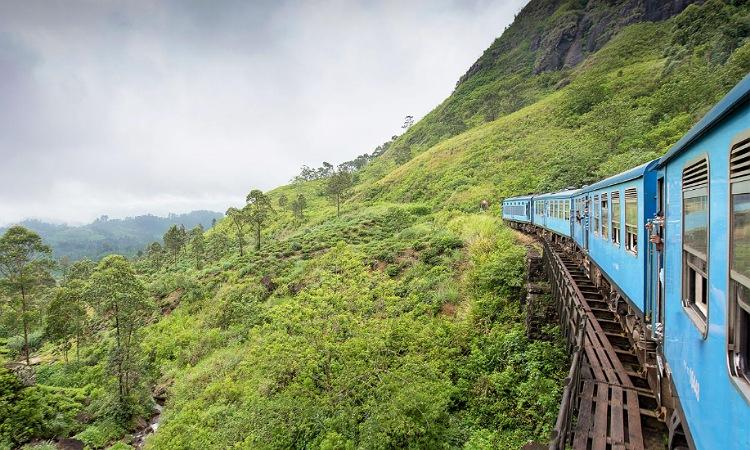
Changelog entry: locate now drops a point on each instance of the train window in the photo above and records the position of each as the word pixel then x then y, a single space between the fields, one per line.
pixel 615 199
pixel 695 237
pixel 567 210
pixel 739 273
pixel 605 216
pixel 596 215
pixel 631 220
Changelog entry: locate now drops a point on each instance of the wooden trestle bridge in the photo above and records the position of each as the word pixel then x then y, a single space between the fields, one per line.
pixel 607 402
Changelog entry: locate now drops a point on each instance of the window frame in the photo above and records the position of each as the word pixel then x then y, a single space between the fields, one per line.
pixel 616 242
pixel 739 372
pixel 604 199
pixel 596 214
pixel 697 315
pixel 633 250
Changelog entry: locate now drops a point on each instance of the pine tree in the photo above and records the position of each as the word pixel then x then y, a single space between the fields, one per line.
pixel 24 265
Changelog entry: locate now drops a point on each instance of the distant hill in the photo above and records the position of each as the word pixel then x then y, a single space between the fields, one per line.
pixel 105 236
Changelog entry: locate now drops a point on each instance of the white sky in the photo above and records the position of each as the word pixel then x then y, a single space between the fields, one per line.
pixel 132 107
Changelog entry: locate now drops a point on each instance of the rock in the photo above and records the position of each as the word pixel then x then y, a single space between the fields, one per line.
pixel 69 444
pixel 587 30
pixel 268 283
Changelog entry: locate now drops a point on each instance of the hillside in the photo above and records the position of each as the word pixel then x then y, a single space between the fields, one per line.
pixel 398 324
pixel 106 236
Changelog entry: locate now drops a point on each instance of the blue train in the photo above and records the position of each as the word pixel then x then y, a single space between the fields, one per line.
pixel 672 239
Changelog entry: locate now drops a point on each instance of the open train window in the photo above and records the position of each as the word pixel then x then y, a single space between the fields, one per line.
pixel 605 216
pixel 695 216
pixel 596 215
pixel 739 274
pixel 615 199
pixel 631 220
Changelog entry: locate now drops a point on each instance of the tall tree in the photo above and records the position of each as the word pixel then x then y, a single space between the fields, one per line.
pixel 258 210
pixel 155 253
pixel 198 245
pixel 283 201
pixel 66 316
pixel 217 245
pixel 238 219
pixel 24 265
pixel 120 297
pixel 174 239
pixel 337 187
pixel 298 206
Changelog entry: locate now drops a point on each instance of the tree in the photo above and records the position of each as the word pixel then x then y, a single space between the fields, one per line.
pixel 174 240
pixel 119 297
pixel 198 245
pixel 66 316
pixel 238 219
pixel 408 122
pixel 64 265
pixel 81 270
pixel 155 253
pixel 24 265
pixel 217 245
pixel 283 201
pixel 258 210
pixel 298 206
pixel 338 187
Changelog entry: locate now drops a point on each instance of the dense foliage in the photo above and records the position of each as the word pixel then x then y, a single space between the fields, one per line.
pixel 378 309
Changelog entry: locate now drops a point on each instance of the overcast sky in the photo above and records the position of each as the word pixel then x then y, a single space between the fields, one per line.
pixel 133 107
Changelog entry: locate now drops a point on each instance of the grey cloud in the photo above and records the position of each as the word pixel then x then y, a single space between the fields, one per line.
pixel 115 107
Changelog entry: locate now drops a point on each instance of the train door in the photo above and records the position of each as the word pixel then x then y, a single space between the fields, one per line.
pixel 586 211
pixel 659 247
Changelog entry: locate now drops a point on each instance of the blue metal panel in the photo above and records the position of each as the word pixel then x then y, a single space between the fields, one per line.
pixel 716 413
pixel 522 203
pixel 555 224
pixel 624 268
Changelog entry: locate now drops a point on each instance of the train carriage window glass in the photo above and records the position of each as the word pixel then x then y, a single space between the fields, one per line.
pixel 605 216
pixel 596 215
pixel 567 211
pixel 695 212
pixel 738 342
pixel 631 220
pixel 616 211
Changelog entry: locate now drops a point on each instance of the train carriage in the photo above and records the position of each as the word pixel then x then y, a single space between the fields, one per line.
pixel 608 224
pixel 518 209
pixel 673 237
pixel 705 283
pixel 552 211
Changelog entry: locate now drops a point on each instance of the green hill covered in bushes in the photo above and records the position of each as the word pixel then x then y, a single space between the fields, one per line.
pixel 398 323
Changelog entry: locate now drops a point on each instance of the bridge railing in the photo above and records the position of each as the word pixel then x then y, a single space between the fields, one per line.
pixel 569 302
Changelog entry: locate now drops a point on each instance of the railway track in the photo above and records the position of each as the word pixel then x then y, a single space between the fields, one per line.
pixel 611 405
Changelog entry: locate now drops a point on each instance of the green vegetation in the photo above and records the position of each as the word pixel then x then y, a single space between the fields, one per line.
pixel 379 310
pixel 107 236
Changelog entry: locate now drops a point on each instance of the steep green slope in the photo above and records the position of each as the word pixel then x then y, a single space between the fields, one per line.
pixel 398 323
pixel 624 104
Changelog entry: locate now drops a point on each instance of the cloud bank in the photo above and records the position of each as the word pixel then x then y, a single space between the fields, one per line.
pixel 131 107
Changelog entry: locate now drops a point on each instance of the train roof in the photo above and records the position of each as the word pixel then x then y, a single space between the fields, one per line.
pixel 561 194
pixel 632 174
pixel 735 98
pixel 518 198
